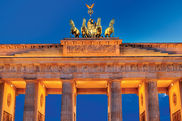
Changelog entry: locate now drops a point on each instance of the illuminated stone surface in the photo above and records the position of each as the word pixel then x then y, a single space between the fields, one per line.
pixel 148 101
pixel 68 102
pixel 34 107
pixel 7 102
pixel 91 66
pixel 115 101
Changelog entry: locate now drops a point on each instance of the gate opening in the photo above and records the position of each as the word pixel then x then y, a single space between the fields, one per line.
pixel 92 108
pixel 53 108
pixel 19 107
pixel 164 107
pixel 130 107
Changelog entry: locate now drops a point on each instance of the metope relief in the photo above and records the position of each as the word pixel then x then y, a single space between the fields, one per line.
pixel 89 68
pixel 176 116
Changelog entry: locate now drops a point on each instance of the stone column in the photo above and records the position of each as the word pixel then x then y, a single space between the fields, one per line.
pixel 34 107
pixel 148 101
pixel 7 101
pixel 175 100
pixel 74 101
pixel 114 101
pixel 68 105
pixel 109 100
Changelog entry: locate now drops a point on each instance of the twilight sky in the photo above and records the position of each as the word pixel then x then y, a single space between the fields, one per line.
pixel 47 21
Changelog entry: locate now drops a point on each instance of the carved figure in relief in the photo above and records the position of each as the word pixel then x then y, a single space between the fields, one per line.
pixel 29 68
pixel 110 29
pixel 74 30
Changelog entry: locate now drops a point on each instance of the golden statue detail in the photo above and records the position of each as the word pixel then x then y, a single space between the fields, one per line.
pixel 91 29
pixel 90 11
pixel 110 29
pixel 74 30
pixel 84 29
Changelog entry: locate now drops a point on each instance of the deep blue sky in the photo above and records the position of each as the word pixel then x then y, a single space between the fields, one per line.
pixel 47 21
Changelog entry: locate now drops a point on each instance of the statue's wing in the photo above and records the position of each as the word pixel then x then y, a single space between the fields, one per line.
pixel 92 5
pixel 99 22
pixel 84 22
pixel 111 22
pixel 72 23
pixel 88 6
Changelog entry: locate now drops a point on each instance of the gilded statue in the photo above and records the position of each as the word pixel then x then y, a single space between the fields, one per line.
pixel 74 30
pixel 98 28
pixel 84 29
pixel 92 29
pixel 91 25
pixel 90 11
pixel 110 29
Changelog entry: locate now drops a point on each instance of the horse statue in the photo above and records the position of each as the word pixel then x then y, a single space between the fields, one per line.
pixel 74 30
pixel 98 28
pixel 110 29
pixel 84 29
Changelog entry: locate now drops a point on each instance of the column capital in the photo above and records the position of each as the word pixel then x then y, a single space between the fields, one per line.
pixel 114 79
pixel 179 79
pixel 71 80
pixel 27 79
pixel 150 80
pixel 30 78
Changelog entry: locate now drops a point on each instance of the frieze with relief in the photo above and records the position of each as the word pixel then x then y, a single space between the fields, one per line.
pixel 91 49
pixel 90 68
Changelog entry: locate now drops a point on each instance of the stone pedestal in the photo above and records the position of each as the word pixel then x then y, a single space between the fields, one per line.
pixel 7 102
pixel 34 107
pixel 114 101
pixel 148 101
pixel 68 105
pixel 91 46
pixel 175 100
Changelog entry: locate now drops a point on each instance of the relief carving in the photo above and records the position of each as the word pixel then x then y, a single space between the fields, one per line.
pixel 142 116
pixel 40 117
pixel 176 116
pixel 7 116
pixel 91 49
pixel 90 68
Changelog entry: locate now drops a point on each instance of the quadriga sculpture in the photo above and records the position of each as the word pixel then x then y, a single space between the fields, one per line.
pixel 84 29
pixel 98 28
pixel 74 30
pixel 110 29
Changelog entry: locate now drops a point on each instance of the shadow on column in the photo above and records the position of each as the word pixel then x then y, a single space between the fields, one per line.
pixel 53 108
pixel 91 107
pixel 130 107
pixel 164 107
pixel 19 108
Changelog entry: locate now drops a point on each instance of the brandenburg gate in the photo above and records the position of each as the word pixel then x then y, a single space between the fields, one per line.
pixel 90 66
